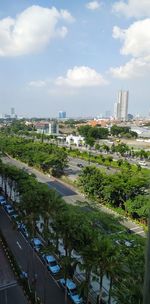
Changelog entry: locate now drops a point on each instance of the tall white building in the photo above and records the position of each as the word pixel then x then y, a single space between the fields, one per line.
pixel 121 106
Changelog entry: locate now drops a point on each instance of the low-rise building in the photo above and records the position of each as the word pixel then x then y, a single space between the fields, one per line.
pixel 76 140
pixel 48 128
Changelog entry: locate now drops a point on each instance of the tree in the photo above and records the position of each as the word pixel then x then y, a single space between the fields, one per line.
pixel 138 207
pixel 147 273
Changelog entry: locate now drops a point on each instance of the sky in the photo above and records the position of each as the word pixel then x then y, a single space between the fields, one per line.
pixel 74 56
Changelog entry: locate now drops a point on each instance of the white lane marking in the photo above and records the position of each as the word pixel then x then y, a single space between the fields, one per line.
pixel 18 245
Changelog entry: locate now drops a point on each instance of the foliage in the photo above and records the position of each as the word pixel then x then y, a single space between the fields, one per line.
pixel 49 158
pixel 92 235
pixel 123 189
pixel 123 132
pixel 93 133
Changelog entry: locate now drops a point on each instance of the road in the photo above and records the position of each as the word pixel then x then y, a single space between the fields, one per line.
pixel 46 286
pixel 115 156
pixel 70 195
pixel 10 291
pixel 73 169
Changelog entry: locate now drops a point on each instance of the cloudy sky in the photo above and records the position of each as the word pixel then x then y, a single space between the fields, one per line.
pixel 74 55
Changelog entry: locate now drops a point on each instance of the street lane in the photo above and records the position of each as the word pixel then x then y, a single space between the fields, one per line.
pixel 46 287
pixel 10 291
pixel 62 189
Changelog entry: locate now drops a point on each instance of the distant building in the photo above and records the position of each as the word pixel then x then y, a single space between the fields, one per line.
pixel 130 116
pixel 12 113
pixel 107 114
pixel 62 114
pixel 121 106
pixel 48 128
pixel 7 116
pixel 103 122
pixel 53 128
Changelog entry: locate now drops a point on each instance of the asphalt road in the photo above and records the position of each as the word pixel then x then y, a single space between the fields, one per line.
pixel 12 295
pixel 46 286
pixel 62 189
pixel 53 183
pixel 74 169
pixel 10 291
pixel 71 196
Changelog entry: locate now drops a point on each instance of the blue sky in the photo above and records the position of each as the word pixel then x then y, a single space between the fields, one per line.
pixel 74 56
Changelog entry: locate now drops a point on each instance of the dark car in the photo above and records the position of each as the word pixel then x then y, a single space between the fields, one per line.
pixel 9 209
pixel 80 165
pixel 22 227
pixel 2 200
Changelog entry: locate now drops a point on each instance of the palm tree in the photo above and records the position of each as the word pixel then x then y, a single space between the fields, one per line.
pixel 104 255
pixel 87 264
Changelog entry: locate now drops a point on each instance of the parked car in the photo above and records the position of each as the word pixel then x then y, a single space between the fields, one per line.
pixel 52 264
pixel 9 209
pixel 14 215
pixel 22 227
pixel 71 290
pixel 37 244
pixel 2 200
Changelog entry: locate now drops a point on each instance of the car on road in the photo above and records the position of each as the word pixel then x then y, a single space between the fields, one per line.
pixel 71 290
pixel 23 275
pixel 52 264
pixel 80 165
pixel 143 163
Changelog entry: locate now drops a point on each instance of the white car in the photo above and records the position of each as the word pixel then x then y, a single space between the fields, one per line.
pixel 142 163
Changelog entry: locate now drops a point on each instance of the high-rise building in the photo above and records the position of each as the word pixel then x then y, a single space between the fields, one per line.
pixel 121 106
pixel 62 114
pixel 12 111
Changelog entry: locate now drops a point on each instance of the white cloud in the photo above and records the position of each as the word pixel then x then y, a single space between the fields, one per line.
pixel 93 5
pixel 37 83
pixel 136 42
pixel 136 39
pixel 136 67
pixel 81 76
pixel 32 30
pixel 133 8
pixel 67 16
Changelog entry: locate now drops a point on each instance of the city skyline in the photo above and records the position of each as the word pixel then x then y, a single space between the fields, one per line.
pixel 57 56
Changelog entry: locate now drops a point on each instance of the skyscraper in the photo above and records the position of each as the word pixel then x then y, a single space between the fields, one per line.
pixel 62 114
pixel 121 106
pixel 12 111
